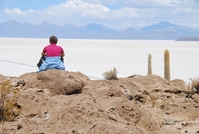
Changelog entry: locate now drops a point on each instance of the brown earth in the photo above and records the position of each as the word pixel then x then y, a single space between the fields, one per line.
pixel 62 102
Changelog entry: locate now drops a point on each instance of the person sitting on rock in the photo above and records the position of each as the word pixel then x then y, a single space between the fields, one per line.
pixel 52 56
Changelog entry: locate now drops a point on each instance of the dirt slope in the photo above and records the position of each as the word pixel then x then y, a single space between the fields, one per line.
pixel 62 102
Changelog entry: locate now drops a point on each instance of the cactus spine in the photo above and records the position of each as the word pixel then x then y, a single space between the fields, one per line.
pixel 149 64
pixel 166 65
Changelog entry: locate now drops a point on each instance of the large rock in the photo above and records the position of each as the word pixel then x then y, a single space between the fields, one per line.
pixel 57 81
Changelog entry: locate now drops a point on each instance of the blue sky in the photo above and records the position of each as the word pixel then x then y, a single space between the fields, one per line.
pixel 115 14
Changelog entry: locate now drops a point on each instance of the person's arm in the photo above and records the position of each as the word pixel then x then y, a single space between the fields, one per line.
pixel 62 54
pixel 43 54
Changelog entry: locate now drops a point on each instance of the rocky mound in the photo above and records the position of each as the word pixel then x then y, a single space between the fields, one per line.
pixel 57 101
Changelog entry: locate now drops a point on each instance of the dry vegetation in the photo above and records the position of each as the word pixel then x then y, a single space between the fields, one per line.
pixel 194 85
pixel 110 75
pixel 8 102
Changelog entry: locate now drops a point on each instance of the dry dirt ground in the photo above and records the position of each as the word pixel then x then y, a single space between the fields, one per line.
pixel 62 102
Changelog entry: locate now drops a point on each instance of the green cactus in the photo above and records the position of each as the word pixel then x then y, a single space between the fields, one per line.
pixel 166 65
pixel 149 64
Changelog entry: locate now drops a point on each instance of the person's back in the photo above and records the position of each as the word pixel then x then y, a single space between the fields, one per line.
pixel 52 50
pixel 53 56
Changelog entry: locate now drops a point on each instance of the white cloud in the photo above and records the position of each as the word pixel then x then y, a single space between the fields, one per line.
pixel 135 13
pixel 16 12
pixel 167 3
pixel 13 12
pixel 79 9
pixel 148 3
pixel 31 11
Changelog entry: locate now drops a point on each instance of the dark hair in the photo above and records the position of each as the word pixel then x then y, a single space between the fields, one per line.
pixel 53 39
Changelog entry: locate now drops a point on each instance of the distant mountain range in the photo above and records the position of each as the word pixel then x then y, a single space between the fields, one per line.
pixel 161 31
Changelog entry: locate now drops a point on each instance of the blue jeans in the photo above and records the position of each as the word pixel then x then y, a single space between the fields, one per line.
pixel 51 63
pixel 43 58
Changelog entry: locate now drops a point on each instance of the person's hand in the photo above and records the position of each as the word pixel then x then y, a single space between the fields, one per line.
pixel 62 55
pixel 43 54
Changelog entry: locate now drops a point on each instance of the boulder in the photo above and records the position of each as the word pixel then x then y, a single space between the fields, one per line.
pixel 57 81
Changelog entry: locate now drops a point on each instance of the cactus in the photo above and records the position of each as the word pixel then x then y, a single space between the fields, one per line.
pixel 166 65
pixel 149 64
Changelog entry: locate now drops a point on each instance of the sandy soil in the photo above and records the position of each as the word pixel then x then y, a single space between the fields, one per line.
pixel 62 102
